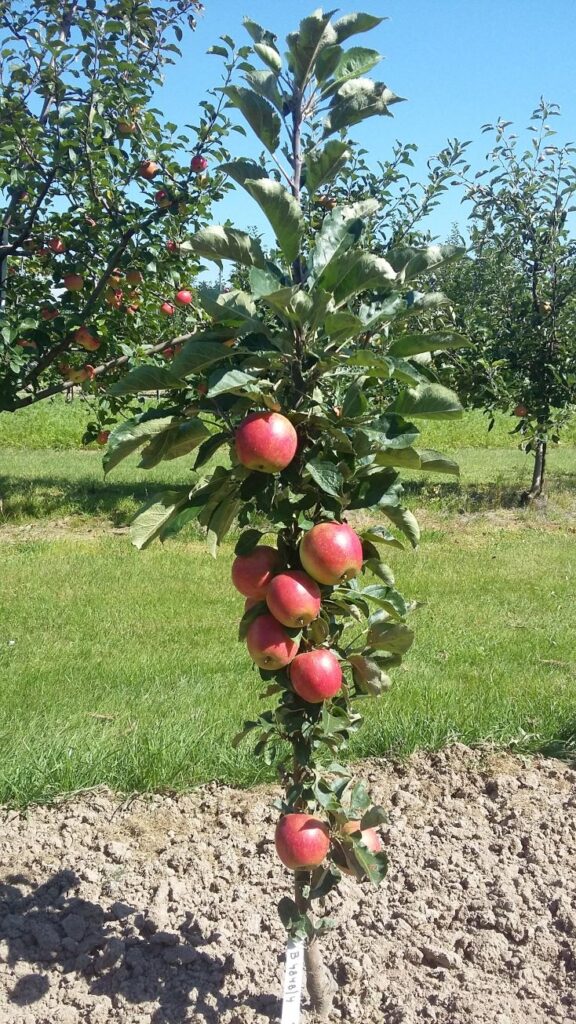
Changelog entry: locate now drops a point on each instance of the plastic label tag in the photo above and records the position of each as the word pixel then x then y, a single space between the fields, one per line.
pixel 293 975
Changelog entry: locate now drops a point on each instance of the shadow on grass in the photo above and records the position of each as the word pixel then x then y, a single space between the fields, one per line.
pixel 50 926
pixel 452 495
pixel 50 497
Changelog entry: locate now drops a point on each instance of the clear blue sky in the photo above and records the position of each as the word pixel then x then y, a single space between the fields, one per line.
pixel 459 63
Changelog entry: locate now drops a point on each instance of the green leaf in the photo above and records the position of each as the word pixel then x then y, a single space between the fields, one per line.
pixel 368 676
pixel 153 518
pixel 425 459
pixel 356 100
pixel 230 380
pixel 196 356
pixel 431 401
pixel 354 24
pixel 145 378
pixel 173 443
pixel 380 569
pixel 353 63
pixel 313 35
pixel 247 541
pixel 390 636
pixel 340 230
pixel 323 165
pixel 264 282
pixel 259 34
pixel 265 83
pixel 355 402
pixel 343 325
pixel 411 262
pixel 220 243
pixel 283 213
pixel 129 435
pixel 355 272
pixel 209 447
pixel 327 476
pixel 373 817
pixel 218 51
pixel 380 535
pixel 242 169
pixel 259 114
pixel 270 56
pixel 442 341
pixel 405 521
pixel 220 522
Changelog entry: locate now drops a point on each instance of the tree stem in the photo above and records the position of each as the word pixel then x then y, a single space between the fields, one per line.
pixel 538 474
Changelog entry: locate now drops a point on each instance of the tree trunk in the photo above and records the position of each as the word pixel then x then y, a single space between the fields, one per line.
pixel 319 982
pixel 538 474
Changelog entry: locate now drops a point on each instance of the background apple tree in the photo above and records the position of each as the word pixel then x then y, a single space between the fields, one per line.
pixel 97 192
pixel 515 297
pixel 320 344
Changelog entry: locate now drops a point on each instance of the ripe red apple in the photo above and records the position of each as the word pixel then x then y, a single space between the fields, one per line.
pixel 168 352
pixel 198 163
pixel 114 297
pixel 26 343
pixel 134 277
pixel 79 375
pixel 269 645
pixel 148 170
pixel 521 410
pixel 369 838
pixel 132 309
pixel 102 436
pixel 183 297
pixel 293 598
pixel 167 309
pixel 115 277
pixel 252 573
pixel 86 339
pixel 173 247
pixel 266 441
pixel 73 282
pixel 57 246
pixel 301 841
pixel 46 313
pixel 316 675
pixel 162 199
pixel 331 553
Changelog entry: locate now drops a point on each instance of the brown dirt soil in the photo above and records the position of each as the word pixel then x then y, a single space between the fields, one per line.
pixel 161 910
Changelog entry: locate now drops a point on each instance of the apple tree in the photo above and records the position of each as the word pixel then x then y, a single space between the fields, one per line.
pixel 515 297
pixel 97 192
pixel 307 378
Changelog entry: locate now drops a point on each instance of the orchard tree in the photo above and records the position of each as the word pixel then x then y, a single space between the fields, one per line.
pixel 516 296
pixel 307 378
pixel 98 192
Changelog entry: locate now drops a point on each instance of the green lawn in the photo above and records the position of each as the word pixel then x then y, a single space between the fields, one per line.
pixel 123 667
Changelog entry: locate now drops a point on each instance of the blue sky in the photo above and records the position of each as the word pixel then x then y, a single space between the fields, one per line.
pixel 459 63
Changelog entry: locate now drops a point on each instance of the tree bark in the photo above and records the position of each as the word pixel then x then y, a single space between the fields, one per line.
pixel 538 474
pixel 320 984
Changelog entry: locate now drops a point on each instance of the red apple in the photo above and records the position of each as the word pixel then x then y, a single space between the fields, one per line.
pixel 198 163
pixel 57 246
pixel 167 309
pixel 132 309
pixel 46 313
pixel 148 170
pixel 368 837
pixel 73 282
pixel 331 553
pixel 102 436
pixel 316 675
pixel 252 573
pixel 168 352
pixel 134 277
pixel 26 343
pixel 293 598
pixel 301 841
pixel 79 375
pixel 86 339
pixel 162 199
pixel 114 297
pixel 269 645
pixel 521 410
pixel 183 297
pixel 173 247
pixel 115 277
pixel 126 127
pixel 266 441
pixel 202 388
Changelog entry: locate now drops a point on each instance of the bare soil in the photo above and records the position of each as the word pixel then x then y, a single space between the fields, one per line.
pixel 161 910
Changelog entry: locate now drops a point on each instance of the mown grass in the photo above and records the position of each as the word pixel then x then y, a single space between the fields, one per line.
pixel 123 667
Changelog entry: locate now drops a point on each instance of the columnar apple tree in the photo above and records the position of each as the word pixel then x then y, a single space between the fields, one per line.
pixel 97 192
pixel 307 380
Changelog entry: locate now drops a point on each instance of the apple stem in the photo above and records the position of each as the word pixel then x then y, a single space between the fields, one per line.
pixel 320 984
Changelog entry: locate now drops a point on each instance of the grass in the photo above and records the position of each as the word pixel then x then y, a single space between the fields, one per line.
pixel 123 667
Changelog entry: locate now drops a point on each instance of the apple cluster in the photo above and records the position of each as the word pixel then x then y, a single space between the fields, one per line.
pixel 285 599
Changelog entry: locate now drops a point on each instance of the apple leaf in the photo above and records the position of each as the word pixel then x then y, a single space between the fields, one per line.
pixel 259 114
pixel 230 380
pixel 313 35
pixel 129 435
pixel 196 356
pixel 283 213
pixel 146 378
pixel 368 676
pixel 222 243
pixel 242 169
pixel 356 100
pixel 270 56
pixel 389 636
pixel 152 519
pixel 352 63
pixel 340 230
pixel 327 476
pixel 414 344
pixel 322 165
pixel 405 521
pixel 354 24
pixel 431 401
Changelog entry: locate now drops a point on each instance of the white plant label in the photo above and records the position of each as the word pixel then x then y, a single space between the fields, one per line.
pixel 293 974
